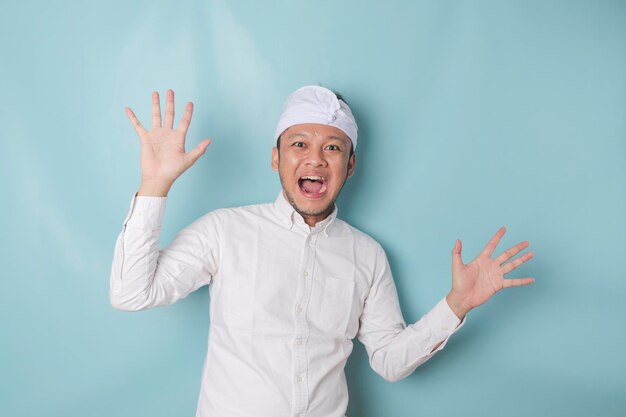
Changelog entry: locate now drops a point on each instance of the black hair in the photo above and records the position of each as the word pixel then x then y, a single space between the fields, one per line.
pixel 339 96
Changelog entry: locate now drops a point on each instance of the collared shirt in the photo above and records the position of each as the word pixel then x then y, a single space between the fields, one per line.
pixel 286 302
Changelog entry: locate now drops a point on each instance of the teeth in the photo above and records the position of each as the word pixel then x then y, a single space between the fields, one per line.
pixel 312 178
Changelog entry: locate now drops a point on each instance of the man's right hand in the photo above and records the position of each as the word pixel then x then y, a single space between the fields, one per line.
pixel 163 157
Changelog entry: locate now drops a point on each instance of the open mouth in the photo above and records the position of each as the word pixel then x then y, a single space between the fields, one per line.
pixel 312 186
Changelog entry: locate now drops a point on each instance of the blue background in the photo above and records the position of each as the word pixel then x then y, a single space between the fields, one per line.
pixel 472 115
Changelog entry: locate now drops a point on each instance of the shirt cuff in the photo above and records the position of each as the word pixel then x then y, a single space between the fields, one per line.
pixel 444 318
pixel 445 323
pixel 145 212
pixel 452 314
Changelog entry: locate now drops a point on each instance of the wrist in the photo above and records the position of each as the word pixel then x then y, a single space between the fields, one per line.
pixel 154 188
pixel 457 306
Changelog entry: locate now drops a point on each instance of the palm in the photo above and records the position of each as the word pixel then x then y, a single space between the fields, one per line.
pixel 163 156
pixel 476 282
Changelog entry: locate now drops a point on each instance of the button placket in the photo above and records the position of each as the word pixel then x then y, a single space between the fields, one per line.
pixel 300 388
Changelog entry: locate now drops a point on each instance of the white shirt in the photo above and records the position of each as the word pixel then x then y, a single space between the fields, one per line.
pixel 286 302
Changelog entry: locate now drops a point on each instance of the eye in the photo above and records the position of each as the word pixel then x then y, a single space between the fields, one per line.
pixel 298 144
pixel 333 148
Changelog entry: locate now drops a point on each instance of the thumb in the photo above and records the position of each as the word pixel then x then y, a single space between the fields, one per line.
pixel 456 254
pixel 198 151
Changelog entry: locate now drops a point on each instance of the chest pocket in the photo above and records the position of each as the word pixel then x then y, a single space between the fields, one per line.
pixel 337 313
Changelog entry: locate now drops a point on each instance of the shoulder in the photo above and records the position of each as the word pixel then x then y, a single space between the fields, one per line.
pixel 230 219
pixel 361 239
pixel 259 208
pixel 249 212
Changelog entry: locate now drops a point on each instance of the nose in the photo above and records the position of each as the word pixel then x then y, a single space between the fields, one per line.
pixel 315 157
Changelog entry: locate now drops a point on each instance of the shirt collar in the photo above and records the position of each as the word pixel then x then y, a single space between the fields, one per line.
pixel 290 217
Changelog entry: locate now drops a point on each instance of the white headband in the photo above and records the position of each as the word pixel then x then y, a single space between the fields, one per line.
pixel 315 104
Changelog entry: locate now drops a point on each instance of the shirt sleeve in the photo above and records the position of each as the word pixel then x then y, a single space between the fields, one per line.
pixel 142 275
pixel 395 350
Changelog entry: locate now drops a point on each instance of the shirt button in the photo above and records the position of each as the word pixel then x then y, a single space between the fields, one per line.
pixel 306 274
pixel 299 379
pixel 298 309
pixel 299 342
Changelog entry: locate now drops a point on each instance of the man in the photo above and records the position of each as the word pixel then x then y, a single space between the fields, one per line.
pixel 290 284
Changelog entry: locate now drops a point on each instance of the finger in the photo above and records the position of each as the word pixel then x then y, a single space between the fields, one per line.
pixel 169 110
pixel 456 253
pixel 156 110
pixel 141 131
pixel 517 282
pixel 505 256
pixel 186 120
pixel 491 246
pixel 198 151
pixel 506 268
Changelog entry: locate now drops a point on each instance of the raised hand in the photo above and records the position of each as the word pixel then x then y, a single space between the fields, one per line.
pixel 475 283
pixel 163 156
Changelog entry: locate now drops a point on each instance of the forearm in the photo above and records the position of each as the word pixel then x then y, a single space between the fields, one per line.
pixel 135 257
pixel 395 356
pixel 395 350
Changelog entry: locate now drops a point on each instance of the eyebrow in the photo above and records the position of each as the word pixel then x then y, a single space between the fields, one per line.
pixel 338 138
pixel 295 135
pixel 304 135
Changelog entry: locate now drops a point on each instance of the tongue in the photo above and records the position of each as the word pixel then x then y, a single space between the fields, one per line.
pixel 311 186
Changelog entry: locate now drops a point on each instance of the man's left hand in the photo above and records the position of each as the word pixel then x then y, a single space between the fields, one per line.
pixel 475 283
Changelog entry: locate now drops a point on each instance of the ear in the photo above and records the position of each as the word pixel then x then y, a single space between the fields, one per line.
pixel 351 165
pixel 275 159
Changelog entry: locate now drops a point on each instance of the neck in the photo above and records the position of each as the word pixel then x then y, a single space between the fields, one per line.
pixel 312 220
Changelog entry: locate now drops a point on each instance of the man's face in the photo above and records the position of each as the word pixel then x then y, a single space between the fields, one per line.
pixel 313 163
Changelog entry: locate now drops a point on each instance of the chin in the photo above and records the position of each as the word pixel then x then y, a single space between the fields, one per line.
pixel 305 207
pixel 317 210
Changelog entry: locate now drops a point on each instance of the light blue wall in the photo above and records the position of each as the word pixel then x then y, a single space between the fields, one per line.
pixel 473 115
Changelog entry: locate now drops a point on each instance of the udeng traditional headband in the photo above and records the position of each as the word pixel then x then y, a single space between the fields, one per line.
pixel 315 104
